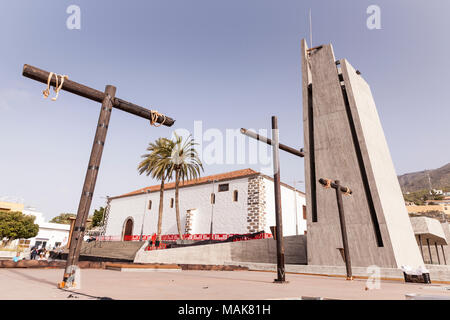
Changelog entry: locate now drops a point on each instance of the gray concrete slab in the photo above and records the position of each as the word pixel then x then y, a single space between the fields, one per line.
pixel 261 250
pixel 438 273
pixel 198 285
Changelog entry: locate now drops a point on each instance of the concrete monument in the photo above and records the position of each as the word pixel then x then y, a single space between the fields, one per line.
pixel 344 141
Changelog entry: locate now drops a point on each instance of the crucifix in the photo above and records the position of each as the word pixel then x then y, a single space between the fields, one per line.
pixel 281 274
pixel 108 101
pixel 327 183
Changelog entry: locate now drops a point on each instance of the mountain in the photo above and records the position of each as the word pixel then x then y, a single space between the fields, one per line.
pixel 415 181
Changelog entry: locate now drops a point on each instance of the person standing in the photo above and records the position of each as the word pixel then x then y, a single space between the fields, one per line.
pixel 33 253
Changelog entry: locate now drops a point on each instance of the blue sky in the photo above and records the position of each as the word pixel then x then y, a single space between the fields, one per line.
pixel 229 63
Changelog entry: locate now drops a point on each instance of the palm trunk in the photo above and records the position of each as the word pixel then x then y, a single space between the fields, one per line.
pixel 160 214
pixel 177 202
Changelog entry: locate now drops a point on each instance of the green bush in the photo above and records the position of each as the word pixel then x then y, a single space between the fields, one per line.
pixel 16 225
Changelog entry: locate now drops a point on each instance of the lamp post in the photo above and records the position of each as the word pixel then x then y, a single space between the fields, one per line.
pixel 295 202
pixel 213 200
pixel 143 216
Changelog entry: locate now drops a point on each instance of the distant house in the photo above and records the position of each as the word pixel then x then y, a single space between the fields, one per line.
pixel 50 234
pixel 437 192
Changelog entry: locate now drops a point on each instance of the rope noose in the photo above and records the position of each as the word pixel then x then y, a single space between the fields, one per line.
pixel 57 87
pixel 154 114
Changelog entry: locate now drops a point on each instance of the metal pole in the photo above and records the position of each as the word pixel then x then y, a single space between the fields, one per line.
pixel 281 276
pixel 104 211
pixel 429 250
pixel 296 211
pixel 143 216
pixel 89 185
pixel 437 252
pixel 421 247
pixel 213 201
pixel 443 254
pixel 348 264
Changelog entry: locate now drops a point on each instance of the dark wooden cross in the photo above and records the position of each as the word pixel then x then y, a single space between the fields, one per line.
pixel 281 274
pixel 108 101
pixel 339 190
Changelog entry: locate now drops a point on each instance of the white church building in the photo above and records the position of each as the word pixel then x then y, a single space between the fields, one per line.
pixel 237 202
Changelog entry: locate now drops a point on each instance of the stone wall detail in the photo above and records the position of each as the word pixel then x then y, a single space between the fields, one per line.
pixel 256 204
pixel 189 221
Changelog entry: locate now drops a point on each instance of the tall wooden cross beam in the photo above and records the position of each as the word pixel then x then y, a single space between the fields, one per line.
pixel 281 274
pixel 339 190
pixel 108 101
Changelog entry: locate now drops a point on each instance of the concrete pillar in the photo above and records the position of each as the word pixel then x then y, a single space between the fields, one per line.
pixel 344 140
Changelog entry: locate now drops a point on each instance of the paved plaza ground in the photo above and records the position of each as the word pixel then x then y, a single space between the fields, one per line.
pixel 27 284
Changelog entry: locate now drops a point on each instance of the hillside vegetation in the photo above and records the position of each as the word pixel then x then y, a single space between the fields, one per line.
pixel 420 197
pixel 418 181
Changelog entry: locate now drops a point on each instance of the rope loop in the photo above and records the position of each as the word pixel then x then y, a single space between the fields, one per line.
pixel 347 191
pixel 154 118
pixel 57 86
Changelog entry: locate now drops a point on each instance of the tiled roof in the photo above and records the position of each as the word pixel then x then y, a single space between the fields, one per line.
pixel 216 177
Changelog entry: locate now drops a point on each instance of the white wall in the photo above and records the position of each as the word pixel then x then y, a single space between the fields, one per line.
pixel 288 210
pixel 229 216
pixel 52 233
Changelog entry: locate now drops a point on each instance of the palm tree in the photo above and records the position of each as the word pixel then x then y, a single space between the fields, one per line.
pixel 157 163
pixel 186 164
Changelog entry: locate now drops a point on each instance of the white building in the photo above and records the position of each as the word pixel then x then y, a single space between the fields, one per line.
pixel 50 235
pixel 238 202
pixel 437 192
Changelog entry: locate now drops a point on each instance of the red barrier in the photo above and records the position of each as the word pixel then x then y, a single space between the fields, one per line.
pixel 196 237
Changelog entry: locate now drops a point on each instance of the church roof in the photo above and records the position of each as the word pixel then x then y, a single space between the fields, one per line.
pixel 207 179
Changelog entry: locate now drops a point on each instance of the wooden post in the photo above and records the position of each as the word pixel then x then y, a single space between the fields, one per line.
pixel 348 264
pixel 254 135
pixel 278 234
pixel 108 101
pixel 339 190
pixel 281 276
pixel 89 183
pixel 95 95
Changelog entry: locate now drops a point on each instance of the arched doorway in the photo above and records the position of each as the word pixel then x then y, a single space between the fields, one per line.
pixel 127 229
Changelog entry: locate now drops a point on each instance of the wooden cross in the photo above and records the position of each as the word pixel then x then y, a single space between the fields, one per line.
pixel 254 135
pixel 281 274
pixel 108 101
pixel 339 190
